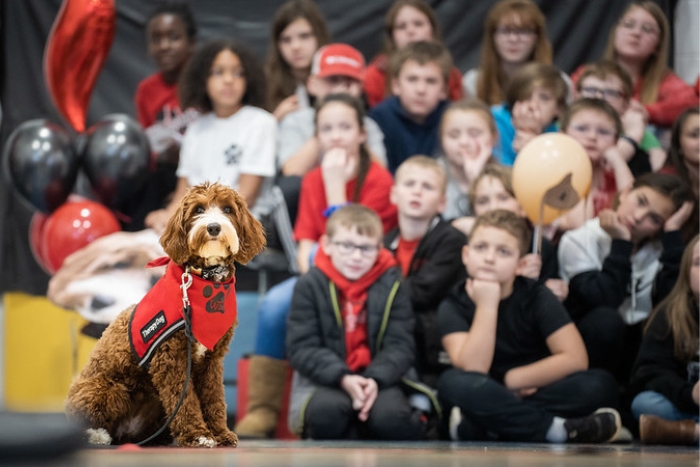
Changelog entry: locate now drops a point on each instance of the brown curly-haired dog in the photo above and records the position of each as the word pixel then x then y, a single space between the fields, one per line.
pixel 127 389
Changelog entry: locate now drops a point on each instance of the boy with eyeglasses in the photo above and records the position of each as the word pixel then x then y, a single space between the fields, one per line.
pixel 637 144
pixel 350 337
pixel 597 127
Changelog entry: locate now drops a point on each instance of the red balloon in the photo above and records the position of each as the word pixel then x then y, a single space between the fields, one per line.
pixel 36 234
pixel 77 48
pixel 71 227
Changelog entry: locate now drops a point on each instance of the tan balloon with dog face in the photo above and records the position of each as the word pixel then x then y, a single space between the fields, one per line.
pixel 550 175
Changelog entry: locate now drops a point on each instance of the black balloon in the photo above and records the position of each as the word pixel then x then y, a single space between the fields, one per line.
pixel 115 159
pixel 41 164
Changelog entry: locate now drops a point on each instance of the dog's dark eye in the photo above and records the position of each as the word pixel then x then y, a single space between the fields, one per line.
pixel 199 210
pixel 228 209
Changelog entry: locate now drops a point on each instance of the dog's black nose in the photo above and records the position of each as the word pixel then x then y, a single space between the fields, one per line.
pixel 214 229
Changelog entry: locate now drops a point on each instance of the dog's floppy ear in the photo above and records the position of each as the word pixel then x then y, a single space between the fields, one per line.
pixel 174 239
pixel 251 234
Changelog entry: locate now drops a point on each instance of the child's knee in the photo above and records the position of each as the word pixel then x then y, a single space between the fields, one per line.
pixel 651 402
pixel 601 388
pixel 455 385
pixel 274 308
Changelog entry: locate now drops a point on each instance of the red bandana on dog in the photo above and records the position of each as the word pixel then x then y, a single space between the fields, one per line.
pixel 159 314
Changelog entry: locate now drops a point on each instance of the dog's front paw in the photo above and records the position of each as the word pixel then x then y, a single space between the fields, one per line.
pixel 197 441
pixel 205 442
pixel 227 439
pixel 98 436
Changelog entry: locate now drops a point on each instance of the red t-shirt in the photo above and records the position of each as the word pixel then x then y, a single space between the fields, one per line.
pixel 156 100
pixel 311 224
pixel 375 82
pixel 404 253
pixel 158 111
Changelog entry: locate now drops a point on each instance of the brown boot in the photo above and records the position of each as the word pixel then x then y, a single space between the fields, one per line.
pixel 266 377
pixel 656 430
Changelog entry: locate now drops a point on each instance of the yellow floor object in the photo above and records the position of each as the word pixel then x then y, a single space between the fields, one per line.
pixel 43 350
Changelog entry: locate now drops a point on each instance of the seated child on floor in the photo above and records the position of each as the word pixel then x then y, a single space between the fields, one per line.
pixel 665 375
pixel 350 337
pixel 520 365
pixel 428 250
pixel 619 263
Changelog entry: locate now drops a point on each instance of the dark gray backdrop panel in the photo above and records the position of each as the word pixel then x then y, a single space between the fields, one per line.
pixel 578 30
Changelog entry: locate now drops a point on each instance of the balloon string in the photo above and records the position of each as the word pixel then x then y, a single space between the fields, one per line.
pixel 537 237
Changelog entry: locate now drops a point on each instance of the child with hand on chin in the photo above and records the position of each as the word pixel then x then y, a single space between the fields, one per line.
pixel 519 364
pixel 493 189
pixel 467 137
pixel 620 263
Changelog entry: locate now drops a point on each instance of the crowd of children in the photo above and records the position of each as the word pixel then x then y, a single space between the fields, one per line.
pixel 421 309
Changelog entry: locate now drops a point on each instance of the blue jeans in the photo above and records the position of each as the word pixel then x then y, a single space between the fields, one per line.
pixel 653 403
pixel 272 316
pixel 272 320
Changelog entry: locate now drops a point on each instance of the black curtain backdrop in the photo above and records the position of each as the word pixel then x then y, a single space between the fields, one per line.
pixel 578 30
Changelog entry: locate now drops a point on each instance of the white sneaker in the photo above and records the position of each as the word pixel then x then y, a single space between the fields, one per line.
pixel 455 421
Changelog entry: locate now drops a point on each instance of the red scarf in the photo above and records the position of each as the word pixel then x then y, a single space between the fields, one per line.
pixel 159 314
pixel 353 301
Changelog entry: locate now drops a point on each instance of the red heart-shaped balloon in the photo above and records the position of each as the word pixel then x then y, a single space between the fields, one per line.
pixel 77 48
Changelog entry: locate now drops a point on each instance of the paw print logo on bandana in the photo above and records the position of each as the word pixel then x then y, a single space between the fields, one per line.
pixel 215 304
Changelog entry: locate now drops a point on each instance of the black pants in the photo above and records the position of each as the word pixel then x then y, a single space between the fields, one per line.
pixel 493 408
pixel 329 415
pixel 633 341
pixel 603 332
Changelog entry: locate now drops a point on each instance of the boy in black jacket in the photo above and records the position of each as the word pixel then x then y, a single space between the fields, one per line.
pixel 428 250
pixel 350 337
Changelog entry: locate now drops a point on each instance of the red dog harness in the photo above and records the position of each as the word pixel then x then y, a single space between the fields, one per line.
pixel 160 313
